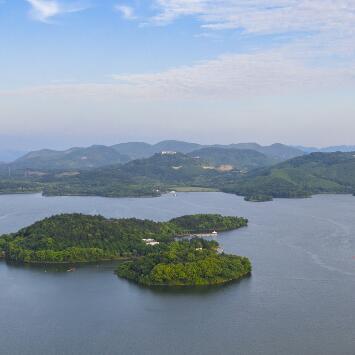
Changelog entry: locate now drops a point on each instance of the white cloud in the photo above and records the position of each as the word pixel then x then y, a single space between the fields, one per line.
pixel 234 77
pixel 126 11
pixel 324 29
pixel 262 16
pixel 44 10
pixel 240 76
pixel 323 59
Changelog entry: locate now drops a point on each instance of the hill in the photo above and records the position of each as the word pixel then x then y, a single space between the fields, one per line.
pixel 331 149
pixel 279 152
pixel 71 159
pixel 231 158
pixel 177 146
pixel 193 262
pixel 298 177
pixel 141 177
pixel 301 177
pixel 99 155
pixel 134 150
pixel 138 150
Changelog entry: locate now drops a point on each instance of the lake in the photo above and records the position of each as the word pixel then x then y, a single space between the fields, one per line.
pixel 300 298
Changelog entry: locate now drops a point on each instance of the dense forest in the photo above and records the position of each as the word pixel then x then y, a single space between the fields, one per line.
pixel 82 238
pixel 186 263
pixel 200 223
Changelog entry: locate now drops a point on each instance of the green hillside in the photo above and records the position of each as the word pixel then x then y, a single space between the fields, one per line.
pixel 277 151
pixel 300 177
pixel 210 168
pixel 138 150
pixel 193 262
pixel 142 177
pixel 74 158
pixel 239 159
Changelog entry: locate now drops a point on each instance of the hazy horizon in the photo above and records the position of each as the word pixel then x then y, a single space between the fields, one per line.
pixel 13 145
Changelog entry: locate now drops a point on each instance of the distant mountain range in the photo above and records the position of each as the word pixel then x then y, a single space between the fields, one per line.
pixel 331 149
pixel 99 155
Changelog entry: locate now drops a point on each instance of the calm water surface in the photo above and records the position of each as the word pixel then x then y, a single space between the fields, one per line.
pixel 299 300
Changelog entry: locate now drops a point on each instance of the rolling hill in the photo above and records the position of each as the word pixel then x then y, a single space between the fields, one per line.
pixel 99 155
pixel 300 177
pixel 74 158
pixel 242 160
pixel 277 151
pixel 141 177
pixel 331 149
pixel 137 150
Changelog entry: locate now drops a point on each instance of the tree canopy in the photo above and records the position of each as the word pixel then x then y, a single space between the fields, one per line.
pixel 193 262
pixel 82 238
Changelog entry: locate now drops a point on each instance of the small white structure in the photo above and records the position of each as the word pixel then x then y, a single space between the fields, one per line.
pixel 173 193
pixel 214 233
pixel 168 152
pixel 150 242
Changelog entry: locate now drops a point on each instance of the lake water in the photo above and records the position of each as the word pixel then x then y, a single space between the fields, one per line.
pixel 300 298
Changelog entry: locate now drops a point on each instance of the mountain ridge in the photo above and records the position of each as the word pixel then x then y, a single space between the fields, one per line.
pixel 100 155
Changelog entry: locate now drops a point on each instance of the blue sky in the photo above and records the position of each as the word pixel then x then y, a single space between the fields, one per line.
pixel 82 72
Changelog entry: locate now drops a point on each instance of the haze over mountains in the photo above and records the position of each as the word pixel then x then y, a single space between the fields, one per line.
pixel 9 155
pixel 99 155
pixel 74 158
pixel 331 149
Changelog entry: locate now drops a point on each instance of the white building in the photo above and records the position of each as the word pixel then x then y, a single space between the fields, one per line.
pixel 150 242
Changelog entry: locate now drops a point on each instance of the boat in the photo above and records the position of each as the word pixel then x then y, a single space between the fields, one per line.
pixel 71 269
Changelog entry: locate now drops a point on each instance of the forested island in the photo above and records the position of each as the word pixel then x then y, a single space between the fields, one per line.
pixel 72 238
pixel 155 252
pixel 194 262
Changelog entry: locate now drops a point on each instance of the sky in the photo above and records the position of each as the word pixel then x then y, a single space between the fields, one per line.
pixel 81 72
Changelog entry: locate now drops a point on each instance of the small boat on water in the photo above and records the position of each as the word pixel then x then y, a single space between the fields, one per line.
pixel 71 269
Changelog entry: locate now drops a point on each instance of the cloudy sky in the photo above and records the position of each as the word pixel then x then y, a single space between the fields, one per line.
pixel 77 72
